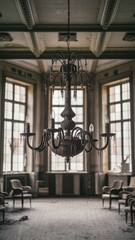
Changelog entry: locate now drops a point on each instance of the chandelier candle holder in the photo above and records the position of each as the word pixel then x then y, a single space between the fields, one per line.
pixel 68 140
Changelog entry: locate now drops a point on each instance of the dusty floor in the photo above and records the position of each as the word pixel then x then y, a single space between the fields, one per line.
pixel 65 218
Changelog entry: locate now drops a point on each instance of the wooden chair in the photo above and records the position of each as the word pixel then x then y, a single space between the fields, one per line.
pixel 110 193
pixel 123 198
pixel 131 185
pixel 130 208
pixel 2 206
pixel 20 192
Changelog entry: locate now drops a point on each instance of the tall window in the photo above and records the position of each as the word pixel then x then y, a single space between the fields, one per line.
pixel 76 163
pixel 120 122
pixel 14 120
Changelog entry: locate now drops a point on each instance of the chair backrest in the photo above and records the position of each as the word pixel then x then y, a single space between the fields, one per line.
pixel 132 182
pixel 15 183
pixel 117 184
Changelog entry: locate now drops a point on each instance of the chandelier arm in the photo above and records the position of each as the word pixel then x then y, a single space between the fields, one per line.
pixel 52 75
pixel 58 56
pixel 85 72
pixel 80 134
pixel 88 150
pixel 81 65
pixel 93 144
pixel 61 132
pixel 82 137
pixel 32 147
pixel 44 142
pixel 87 141
pixel 59 138
pixel 55 77
pixel 61 61
pixel 74 57
pixel 55 146
pixel 76 131
pixel 28 143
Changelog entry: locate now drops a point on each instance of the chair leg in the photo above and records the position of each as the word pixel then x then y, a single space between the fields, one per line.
pixel 3 215
pixel 22 200
pixel 131 218
pixel 119 208
pixel 126 216
pixel 102 202
pixel 30 201
pixel 13 202
pixel 110 203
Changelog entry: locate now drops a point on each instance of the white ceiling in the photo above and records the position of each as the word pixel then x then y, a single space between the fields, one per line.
pixel 100 26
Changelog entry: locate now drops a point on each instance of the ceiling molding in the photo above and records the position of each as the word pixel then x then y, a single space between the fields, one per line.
pixel 108 15
pixel 63 27
pixel 100 44
pixel 26 15
pixel 109 12
pixel 25 12
pixel 130 54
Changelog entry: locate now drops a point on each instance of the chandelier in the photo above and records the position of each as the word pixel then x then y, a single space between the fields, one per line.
pixel 68 140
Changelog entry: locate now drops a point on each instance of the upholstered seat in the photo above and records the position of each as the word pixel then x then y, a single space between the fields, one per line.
pixel 20 192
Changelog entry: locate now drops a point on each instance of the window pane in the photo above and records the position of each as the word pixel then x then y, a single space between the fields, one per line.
pixel 127 139
pixel 125 91
pixel 57 163
pixel 79 100
pixel 8 110
pixel 57 99
pixel 20 93
pixel 115 112
pixel 19 112
pixel 126 110
pixel 9 91
pixel 76 163
pixel 57 111
pixel 114 94
pixel 79 114
pixel 7 145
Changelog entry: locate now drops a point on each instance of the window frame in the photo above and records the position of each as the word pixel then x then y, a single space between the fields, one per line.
pixel 106 158
pixel 13 121
pixel 30 85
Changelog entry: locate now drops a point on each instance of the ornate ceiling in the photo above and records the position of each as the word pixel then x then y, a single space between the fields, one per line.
pixel 103 32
